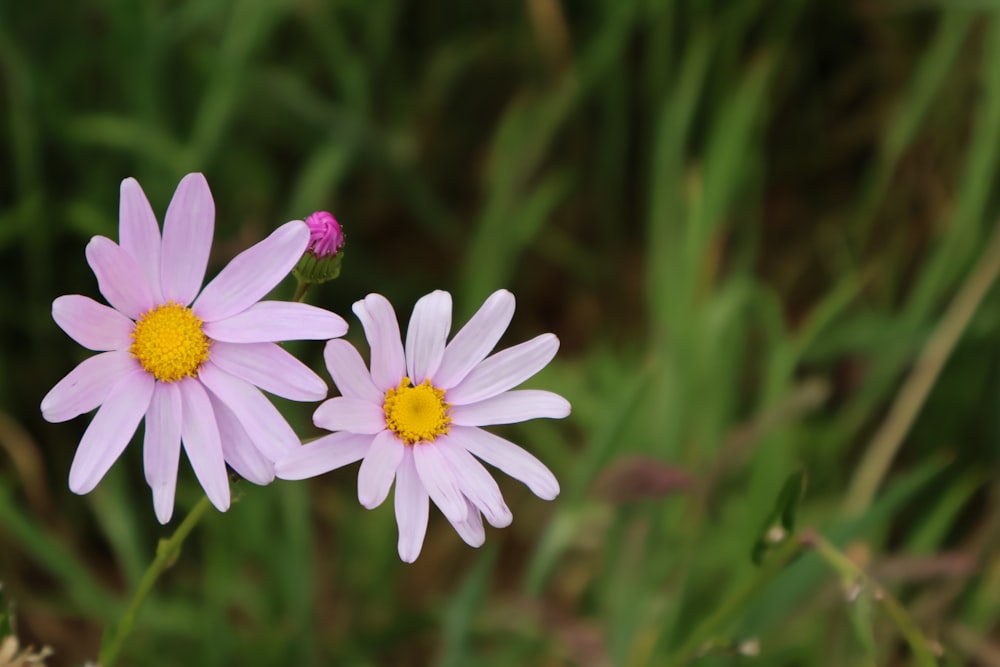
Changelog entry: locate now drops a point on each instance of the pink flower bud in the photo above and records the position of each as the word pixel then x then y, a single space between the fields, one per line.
pixel 326 238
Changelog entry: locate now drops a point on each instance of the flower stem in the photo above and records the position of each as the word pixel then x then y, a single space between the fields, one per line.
pixel 301 287
pixel 889 438
pixel 854 575
pixel 707 629
pixel 166 554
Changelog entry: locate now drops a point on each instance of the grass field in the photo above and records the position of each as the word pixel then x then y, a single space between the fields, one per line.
pixel 765 234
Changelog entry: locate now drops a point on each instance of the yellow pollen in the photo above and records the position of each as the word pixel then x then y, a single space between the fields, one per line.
pixel 169 343
pixel 416 414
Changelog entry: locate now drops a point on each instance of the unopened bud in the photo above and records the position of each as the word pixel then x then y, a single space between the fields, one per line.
pixel 324 254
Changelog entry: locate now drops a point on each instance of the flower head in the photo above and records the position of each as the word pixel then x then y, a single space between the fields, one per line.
pixel 188 361
pixel 323 257
pixel 415 416
pixel 326 237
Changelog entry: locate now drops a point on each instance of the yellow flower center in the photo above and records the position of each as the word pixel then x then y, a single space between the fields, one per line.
pixel 169 343
pixel 416 414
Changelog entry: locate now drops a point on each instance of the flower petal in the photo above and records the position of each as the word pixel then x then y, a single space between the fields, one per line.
pixel 426 334
pixel 477 485
pixel 110 431
pixel 88 385
pixel 253 273
pixel 378 469
pixel 92 324
pixel 119 277
pixel 411 508
pixel 271 368
pixel 382 331
pixel 269 431
pixel 505 369
pixel 271 321
pixel 200 435
pixel 344 413
pixel 349 372
pixel 161 447
pixel 439 480
pixel 238 448
pixel 187 239
pixel 139 233
pixel 511 407
pixel 471 528
pixel 323 455
pixel 475 340
pixel 508 457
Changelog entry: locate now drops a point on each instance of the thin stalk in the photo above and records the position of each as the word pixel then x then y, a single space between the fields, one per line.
pixel 851 572
pixel 887 441
pixel 166 554
pixel 301 288
pixel 737 601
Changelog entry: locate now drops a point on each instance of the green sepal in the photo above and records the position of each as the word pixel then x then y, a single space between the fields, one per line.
pixel 313 270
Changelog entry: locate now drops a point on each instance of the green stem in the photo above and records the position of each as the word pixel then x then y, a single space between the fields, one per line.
pixel 166 553
pixel 876 461
pixel 300 291
pixel 712 625
pixel 853 574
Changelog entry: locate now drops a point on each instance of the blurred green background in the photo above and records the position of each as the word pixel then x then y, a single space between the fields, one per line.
pixel 759 229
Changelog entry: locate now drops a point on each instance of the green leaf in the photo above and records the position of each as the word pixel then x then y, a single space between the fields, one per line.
pixel 781 521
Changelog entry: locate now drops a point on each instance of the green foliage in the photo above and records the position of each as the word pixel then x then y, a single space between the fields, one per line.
pixel 744 220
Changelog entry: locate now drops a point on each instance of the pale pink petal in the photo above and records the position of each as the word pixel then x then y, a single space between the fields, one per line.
pixel 475 340
pixel 471 528
pixel 88 385
pixel 382 331
pixel 263 423
pixel 139 234
pixel 271 368
pixel 344 413
pixel 505 369
pixel 119 277
pixel 426 334
pixel 200 435
pixel 511 407
pixel 253 273
pixel 187 239
pixel 439 480
pixel 323 455
pixel 378 469
pixel 161 447
pixel 349 372
pixel 108 434
pixel 508 457
pixel 412 506
pixel 92 324
pixel 272 321
pixel 476 483
pixel 238 448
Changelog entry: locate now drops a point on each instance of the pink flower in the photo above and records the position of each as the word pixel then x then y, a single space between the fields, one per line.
pixel 325 235
pixel 415 416
pixel 189 363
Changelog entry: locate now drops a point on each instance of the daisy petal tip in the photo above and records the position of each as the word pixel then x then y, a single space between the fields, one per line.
pixel 408 554
pixel 220 498
pixel 563 409
pixel 369 498
pixel 549 491
pixel 81 482
pixel 501 520
pixel 163 507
